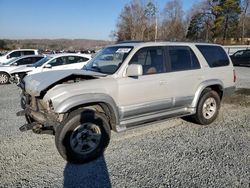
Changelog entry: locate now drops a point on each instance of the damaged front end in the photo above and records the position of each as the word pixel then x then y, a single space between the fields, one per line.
pixel 39 112
pixel 39 119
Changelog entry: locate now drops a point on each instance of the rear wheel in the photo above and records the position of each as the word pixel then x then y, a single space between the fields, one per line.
pixel 83 136
pixel 207 109
pixel 4 78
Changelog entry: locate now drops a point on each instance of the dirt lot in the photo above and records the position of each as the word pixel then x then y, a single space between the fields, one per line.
pixel 174 153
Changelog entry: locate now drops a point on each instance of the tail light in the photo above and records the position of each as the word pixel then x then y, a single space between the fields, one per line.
pixel 234 76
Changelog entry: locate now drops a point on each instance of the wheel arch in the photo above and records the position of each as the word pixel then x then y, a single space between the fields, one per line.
pixel 97 102
pixel 215 85
pixel 5 73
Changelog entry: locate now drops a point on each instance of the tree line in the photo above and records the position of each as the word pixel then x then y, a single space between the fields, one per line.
pixel 53 44
pixel 220 21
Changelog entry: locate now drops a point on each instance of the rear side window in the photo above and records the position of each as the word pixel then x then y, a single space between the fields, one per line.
pixel 24 61
pixel 214 55
pixel 28 52
pixel 28 60
pixel 35 59
pixel 182 58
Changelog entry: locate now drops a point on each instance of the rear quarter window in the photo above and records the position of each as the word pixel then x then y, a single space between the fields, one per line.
pixel 214 55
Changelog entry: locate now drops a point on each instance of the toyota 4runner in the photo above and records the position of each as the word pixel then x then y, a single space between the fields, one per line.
pixel 123 86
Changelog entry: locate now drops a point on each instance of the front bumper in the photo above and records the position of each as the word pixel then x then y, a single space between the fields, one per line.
pixel 41 123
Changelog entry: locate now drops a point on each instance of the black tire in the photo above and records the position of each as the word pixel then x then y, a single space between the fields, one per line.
pixel 4 78
pixel 70 130
pixel 199 117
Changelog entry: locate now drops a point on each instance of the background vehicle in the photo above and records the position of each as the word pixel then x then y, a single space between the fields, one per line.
pixel 123 86
pixel 17 53
pixel 51 63
pixel 241 57
pixel 23 61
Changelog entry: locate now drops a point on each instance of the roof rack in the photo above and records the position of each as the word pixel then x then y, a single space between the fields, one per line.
pixel 129 41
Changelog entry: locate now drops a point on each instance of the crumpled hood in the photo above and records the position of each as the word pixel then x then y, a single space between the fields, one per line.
pixel 36 83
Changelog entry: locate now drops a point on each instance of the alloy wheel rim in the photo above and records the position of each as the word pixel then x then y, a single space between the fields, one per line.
pixel 3 78
pixel 209 108
pixel 85 138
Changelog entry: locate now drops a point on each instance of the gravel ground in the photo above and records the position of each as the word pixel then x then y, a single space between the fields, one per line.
pixel 243 77
pixel 173 153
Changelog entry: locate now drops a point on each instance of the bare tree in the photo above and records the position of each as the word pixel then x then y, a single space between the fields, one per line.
pixel 201 22
pixel 151 13
pixel 245 10
pixel 132 22
pixel 173 27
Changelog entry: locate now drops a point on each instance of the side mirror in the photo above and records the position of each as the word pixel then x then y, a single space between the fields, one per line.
pixel 48 66
pixel 134 70
pixel 8 56
pixel 15 64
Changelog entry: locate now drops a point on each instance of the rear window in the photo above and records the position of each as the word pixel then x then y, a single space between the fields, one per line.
pixel 214 55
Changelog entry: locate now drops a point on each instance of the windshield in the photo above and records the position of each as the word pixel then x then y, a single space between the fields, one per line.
pixel 108 60
pixel 10 61
pixel 41 62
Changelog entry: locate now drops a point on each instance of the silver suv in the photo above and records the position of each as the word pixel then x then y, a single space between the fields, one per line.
pixel 123 86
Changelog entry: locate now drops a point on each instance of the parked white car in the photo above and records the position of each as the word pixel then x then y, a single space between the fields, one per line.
pixel 17 53
pixel 15 63
pixel 50 63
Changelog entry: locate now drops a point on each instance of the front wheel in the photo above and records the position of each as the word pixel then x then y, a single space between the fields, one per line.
pixel 4 78
pixel 83 136
pixel 208 108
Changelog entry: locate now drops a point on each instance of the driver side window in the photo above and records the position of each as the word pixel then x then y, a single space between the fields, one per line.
pixel 57 61
pixel 151 59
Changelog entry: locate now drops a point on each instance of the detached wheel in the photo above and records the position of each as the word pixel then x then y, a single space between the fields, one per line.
pixel 83 136
pixel 4 78
pixel 207 108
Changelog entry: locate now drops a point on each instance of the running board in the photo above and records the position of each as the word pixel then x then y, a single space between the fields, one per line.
pixel 138 121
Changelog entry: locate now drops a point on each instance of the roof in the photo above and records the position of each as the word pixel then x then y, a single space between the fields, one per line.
pixel 69 54
pixel 145 44
pixel 24 49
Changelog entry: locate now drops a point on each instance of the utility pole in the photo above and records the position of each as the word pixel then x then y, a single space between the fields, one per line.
pixel 156 29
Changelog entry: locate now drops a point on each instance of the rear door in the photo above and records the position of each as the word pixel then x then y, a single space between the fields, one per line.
pixel 184 76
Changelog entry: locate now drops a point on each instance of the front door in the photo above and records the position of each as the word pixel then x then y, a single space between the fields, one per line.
pixel 149 92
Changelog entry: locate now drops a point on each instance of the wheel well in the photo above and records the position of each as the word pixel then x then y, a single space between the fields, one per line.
pixel 100 107
pixel 5 73
pixel 217 88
